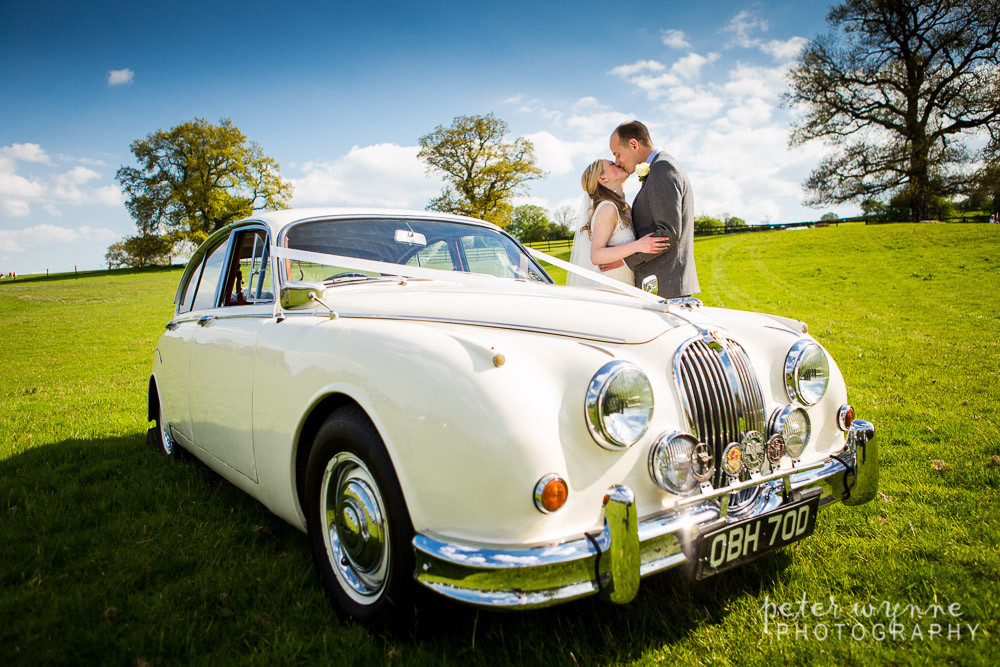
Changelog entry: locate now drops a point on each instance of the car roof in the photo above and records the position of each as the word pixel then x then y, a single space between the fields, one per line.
pixel 278 220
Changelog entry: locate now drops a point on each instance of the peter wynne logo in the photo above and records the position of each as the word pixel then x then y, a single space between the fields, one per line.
pixel 822 620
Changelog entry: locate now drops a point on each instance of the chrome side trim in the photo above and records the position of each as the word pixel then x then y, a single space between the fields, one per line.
pixel 173 324
pixel 479 323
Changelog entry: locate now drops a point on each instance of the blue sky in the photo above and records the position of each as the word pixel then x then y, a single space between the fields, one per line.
pixel 339 94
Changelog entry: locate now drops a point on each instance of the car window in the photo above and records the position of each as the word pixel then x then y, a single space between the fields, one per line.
pixel 430 244
pixel 189 289
pixel 486 255
pixel 261 283
pixel 205 295
pixel 248 280
pixel 434 256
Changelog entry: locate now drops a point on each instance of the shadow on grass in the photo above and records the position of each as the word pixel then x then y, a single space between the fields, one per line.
pixel 112 553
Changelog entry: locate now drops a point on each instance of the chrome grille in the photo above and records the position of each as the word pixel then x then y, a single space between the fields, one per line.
pixel 722 398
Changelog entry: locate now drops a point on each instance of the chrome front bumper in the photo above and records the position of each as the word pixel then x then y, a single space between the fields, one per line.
pixel 611 561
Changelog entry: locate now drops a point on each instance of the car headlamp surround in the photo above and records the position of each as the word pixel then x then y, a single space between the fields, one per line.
pixel 619 405
pixel 807 372
pixel 794 426
pixel 678 463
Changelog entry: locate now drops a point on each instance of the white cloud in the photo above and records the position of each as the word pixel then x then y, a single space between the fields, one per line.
pixel 649 75
pixel 751 113
pixel 77 186
pixel 692 103
pixel 118 77
pixel 747 81
pixel 675 39
pixel 382 175
pixel 558 156
pixel 587 103
pixel 14 208
pixel 636 67
pixel 743 25
pixel 25 153
pixel 689 67
pixel 784 50
pixel 17 186
pixel 18 240
pixel 596 127
pixel 109 195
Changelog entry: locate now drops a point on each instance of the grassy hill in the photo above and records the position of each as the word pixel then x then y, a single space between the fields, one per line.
pixel 110 554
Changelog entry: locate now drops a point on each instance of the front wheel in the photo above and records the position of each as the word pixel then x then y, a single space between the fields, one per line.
pixel 359 530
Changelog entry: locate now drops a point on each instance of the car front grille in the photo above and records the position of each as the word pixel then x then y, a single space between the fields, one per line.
pixel 722 397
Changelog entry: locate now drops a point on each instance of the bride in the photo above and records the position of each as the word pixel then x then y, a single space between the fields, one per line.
pixel 604 232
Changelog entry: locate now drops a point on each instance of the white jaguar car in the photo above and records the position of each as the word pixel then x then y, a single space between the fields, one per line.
pixel 415 392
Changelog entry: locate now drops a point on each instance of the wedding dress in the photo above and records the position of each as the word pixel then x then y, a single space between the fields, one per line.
pixel 580 255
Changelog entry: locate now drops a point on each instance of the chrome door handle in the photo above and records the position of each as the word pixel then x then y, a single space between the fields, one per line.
pixel 173 325
pixel 206 319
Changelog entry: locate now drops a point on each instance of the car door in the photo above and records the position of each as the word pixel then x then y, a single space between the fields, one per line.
pixel 223 356
pixel 175 346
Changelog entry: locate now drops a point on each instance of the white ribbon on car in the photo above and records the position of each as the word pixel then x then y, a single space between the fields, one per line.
pixel 460 277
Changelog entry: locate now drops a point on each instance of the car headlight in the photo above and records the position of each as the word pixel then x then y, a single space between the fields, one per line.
pixel 678 462
pixel 807 373
pixel 619 405
pixel 793 425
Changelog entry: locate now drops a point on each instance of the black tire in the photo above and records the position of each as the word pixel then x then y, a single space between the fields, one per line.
pixel 158 437
pixel 359 529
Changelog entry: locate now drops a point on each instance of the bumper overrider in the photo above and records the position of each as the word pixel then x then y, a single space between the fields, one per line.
pixel 698 530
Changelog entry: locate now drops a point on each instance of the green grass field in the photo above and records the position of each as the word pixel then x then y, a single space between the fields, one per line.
pixel 111 554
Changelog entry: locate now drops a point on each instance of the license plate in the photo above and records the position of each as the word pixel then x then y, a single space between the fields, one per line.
pixel 740 542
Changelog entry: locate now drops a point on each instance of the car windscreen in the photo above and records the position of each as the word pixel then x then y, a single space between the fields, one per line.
pixel 430 244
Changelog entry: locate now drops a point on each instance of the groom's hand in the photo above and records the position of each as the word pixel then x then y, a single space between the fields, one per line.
pixel 612 265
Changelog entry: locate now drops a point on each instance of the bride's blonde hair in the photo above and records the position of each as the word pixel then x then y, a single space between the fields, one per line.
pixel 599 192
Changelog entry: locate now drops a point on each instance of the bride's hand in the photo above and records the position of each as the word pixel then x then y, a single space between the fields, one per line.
pixel 652 244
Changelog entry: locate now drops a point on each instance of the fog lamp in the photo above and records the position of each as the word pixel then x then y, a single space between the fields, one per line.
pixel 678 462
pixel 793 425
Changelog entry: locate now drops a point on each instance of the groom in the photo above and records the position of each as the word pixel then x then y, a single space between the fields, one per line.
pixel 665 204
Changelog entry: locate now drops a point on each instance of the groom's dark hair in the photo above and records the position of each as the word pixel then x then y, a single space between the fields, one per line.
pixel 633 130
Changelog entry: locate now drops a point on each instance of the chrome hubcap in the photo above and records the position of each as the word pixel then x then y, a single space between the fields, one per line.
pixel 355 528
pixel 165 439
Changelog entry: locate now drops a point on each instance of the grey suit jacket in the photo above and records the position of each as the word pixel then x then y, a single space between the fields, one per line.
pixel 666 202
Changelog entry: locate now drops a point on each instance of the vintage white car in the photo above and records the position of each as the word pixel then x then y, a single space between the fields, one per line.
pixel 415 392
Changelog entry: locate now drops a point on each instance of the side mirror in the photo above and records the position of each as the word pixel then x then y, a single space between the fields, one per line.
pixel 296 293
pixel 650 284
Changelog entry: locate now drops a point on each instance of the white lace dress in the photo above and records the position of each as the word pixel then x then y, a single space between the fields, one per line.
pixel 580 254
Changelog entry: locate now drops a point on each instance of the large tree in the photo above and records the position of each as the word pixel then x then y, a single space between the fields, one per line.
pixel 482 171
pixel 897 88
pixel 197 177
pixel 139 250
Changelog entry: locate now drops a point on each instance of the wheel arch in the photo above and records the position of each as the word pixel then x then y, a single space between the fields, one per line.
pixel 152 400
pixel 307 434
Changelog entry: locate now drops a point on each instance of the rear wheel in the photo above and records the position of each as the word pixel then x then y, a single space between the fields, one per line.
pixel 359 530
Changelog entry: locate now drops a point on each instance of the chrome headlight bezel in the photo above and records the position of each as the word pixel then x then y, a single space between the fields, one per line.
pixel 692 459
pixel 605 435
pixel 783 422
pixel 806 355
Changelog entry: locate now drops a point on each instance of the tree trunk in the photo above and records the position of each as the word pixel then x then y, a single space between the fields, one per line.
pixel 920 185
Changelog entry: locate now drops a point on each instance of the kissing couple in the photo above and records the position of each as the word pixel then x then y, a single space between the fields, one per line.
pixel 653 237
